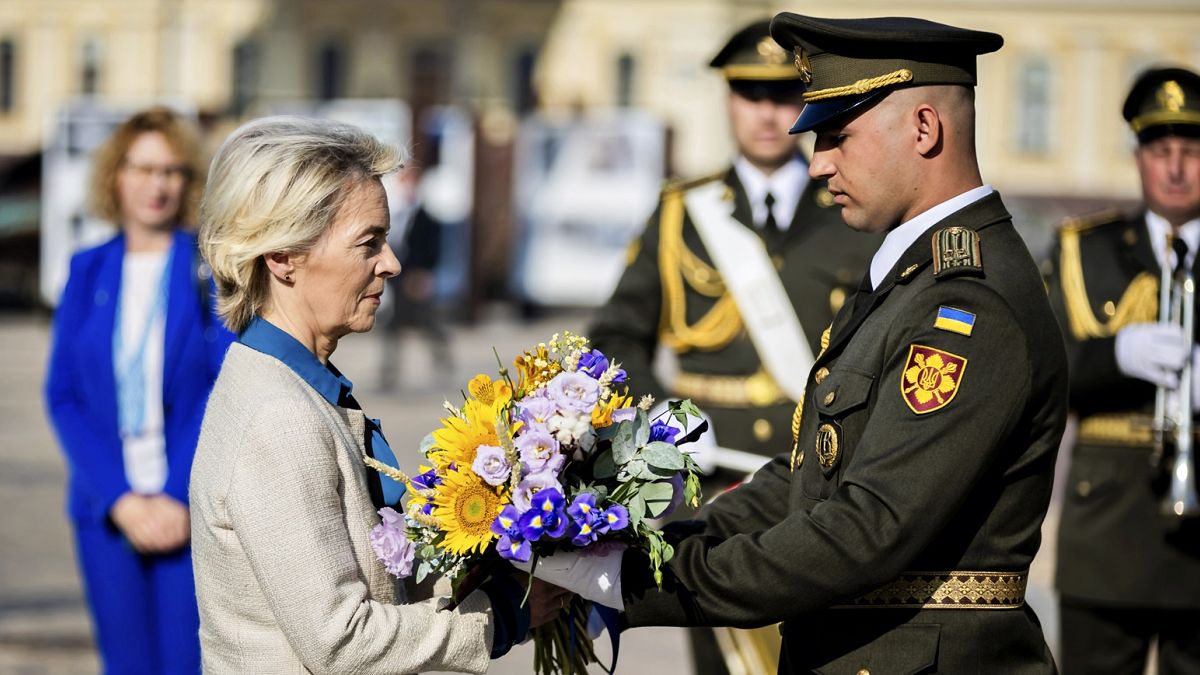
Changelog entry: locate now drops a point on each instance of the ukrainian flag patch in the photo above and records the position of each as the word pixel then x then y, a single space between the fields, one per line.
pixel 954 320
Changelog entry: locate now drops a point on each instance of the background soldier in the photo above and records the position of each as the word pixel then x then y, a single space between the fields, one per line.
pixel 1127 573
pixel 676 294
pixel 897 536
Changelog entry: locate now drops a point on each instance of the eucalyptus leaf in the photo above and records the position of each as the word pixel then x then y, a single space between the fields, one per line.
pixel 636 467
pixel 662 456
pixel 642 425
pixel 423 571
pixel 604 467
pixel 637 511
pixel 657 497
pixel 623 443
pixel 650 473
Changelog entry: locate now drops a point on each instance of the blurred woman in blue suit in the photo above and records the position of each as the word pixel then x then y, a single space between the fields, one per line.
pixel 136 348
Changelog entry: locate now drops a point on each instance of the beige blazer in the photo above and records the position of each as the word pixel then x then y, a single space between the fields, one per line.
pixel 285 576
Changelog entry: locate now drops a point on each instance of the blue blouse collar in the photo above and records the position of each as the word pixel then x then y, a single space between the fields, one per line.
pixel 263 336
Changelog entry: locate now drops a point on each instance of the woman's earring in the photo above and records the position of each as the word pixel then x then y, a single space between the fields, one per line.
pixel 287 278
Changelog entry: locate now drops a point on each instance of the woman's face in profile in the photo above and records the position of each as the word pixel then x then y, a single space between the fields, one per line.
pixel 342 278
pixel 150 183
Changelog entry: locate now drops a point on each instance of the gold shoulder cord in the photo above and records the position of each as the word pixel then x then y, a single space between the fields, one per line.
pixel 1139 302
pixel 678 265
pixel 798 413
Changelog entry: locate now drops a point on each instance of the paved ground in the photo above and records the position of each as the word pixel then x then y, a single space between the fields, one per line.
pixel 43 622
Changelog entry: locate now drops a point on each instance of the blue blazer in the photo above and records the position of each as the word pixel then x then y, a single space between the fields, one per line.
pixel 81 389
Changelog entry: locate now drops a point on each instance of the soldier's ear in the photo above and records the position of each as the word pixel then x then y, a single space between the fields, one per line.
pixel 927 124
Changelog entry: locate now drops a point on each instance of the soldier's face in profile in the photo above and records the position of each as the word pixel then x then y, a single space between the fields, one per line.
pixel 760 127
pixel 860 157
pixel 1170 172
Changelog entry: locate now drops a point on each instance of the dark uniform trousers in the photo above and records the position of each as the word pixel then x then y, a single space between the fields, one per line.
pixel 1127 574
pixel 898 536
pixel 670 293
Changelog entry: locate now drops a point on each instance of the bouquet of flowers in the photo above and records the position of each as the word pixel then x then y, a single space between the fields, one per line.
pixel 557 458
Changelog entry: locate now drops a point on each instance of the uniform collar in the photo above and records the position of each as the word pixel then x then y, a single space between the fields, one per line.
pixel 263 336
pixel 906 234
pixel 785 184
pixel 1159 228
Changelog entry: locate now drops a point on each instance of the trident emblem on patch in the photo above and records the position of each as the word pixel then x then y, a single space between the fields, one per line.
pixel 931 378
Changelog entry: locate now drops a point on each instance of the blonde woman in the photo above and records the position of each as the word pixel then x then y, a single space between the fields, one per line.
pixel 136 349
pixel 294 224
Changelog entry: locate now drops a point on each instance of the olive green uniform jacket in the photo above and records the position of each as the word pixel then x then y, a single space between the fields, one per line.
pixel 1115 547
pixel 820 262
pixel 882 493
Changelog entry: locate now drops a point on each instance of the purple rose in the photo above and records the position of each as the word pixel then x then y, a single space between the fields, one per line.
pixel 535 410
pixel 491 465
pixel 624 414
pixel 530 485
pixel 539 451
pixel 574 392
pixel 391 545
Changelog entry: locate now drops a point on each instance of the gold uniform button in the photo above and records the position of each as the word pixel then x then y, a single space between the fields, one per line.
pixel 1110 309
pixel 863 671
pixel 821 374
pixel 830 397
pixel 1083 488
pixel 762 430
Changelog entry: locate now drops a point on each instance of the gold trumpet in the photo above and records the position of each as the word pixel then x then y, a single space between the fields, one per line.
pixel 1173 423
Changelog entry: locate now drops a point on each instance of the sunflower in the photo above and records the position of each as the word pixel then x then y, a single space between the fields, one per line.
pixel 458 438
pixel 602 413
pixel 465 507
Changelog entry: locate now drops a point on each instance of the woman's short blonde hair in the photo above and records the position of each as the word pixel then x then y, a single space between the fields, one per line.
pixel 276 184
pixel 181 135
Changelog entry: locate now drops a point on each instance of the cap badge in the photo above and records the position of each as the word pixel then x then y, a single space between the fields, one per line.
pixel 802 65
pixel 770 52
pixel 1170 96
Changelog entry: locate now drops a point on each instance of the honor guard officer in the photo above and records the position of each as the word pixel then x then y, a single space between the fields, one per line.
pixel 896 535
pixel 740 272
pixel 1128 569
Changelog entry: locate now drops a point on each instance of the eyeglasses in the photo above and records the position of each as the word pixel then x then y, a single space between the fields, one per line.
pixel 171 172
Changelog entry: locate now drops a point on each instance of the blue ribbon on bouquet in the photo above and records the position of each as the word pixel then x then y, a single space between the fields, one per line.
pixel 611 619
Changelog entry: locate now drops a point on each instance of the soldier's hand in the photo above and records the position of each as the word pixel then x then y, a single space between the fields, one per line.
pixel 1154 352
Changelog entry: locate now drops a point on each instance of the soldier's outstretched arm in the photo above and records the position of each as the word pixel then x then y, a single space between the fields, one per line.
pixel 908 479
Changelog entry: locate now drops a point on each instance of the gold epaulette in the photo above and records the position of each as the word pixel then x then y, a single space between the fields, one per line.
pixel 956 252
pixel 679 269
pixel 1089 221
pixel 685 184
pixel 1138 303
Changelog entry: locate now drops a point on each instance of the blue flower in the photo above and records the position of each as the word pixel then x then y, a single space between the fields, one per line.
pixel 545 516
pixel 661 431
pixel 614 518
pixel 512 545
pixel 584 532
pixel 594 363
pixel 427 480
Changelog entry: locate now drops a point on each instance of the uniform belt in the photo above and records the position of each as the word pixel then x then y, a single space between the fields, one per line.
pixel 730 391
pixel 947 590
pixel 1135 429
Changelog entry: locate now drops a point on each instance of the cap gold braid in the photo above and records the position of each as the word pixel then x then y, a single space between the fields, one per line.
pixel 861 87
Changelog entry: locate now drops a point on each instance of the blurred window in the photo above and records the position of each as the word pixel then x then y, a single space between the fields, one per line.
pixel 89 68
pixel 331 67
pixel 7 72
pixel 626 68
pixel 245 75
pixel 1035 107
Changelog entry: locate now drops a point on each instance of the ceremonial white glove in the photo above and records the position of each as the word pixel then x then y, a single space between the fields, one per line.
pixel 1154 352
pixel 595 577
pixel 704 449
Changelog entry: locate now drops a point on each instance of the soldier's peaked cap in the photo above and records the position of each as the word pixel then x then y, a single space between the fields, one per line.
pixel 1164 102
pixel 847 63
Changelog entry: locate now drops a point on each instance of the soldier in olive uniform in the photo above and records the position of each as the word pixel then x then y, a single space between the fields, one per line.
pixel 674 294
pixel 896 535
pixel 1128 573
